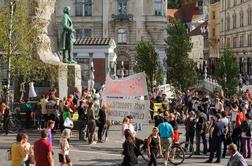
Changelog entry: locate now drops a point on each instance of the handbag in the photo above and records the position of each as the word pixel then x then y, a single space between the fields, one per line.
pixel 68 123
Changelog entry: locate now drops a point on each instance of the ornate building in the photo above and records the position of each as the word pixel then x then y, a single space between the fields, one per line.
pixel 213 34
pixel 125 21
pixel 236 31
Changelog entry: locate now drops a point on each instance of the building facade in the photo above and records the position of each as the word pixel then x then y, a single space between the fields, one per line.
pixel 236 31
pixel 125 21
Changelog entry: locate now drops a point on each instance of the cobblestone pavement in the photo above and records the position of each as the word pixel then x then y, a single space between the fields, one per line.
pixel 102 154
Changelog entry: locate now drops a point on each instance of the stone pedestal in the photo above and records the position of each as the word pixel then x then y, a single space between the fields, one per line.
pixel 69 79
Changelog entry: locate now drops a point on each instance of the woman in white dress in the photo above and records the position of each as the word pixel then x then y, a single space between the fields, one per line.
pixel 32 92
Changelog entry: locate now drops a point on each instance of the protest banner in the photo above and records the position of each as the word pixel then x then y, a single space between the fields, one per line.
pixel 134 85
pixel 117 109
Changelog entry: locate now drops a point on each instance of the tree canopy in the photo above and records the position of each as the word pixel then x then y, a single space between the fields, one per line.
pixel 181 69
pixel 227 71
pixel 178 3
pixel 147 60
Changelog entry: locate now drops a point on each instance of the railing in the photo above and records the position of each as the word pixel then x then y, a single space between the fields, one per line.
pixel 122 17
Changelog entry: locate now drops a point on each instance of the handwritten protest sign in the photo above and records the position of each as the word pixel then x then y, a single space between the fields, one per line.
pixel 134 85
pixel 117 109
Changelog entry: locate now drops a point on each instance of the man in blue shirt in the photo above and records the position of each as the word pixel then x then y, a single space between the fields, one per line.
pixel 166 135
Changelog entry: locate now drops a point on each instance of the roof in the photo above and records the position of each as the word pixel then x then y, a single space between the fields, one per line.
pixel 186 13
pixel 200 30
pixel 93 41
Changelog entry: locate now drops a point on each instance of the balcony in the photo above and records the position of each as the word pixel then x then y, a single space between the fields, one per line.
pixel 122 17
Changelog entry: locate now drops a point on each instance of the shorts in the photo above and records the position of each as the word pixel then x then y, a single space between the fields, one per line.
pixel 61 158
pixel 166 143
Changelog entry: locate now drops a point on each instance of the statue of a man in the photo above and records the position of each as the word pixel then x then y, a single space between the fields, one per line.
pixel 67 37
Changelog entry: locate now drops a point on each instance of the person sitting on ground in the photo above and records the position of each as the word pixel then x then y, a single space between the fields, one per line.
pixel 236 158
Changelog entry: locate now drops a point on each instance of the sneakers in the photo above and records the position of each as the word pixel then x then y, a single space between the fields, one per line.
pixel 165 163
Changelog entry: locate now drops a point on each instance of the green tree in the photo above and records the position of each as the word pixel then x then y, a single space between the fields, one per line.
pixel 18 34
pixel 181 69
pixel 147 60
pixel 227 71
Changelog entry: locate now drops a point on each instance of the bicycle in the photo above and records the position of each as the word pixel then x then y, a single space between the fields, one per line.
pixel 187 148
pixel 177 155
pixel 14 124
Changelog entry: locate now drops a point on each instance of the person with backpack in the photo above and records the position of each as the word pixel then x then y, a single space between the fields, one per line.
pixel 154 146
pixel 246 136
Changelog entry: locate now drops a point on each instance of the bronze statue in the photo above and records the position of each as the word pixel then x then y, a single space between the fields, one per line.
pixel 67 37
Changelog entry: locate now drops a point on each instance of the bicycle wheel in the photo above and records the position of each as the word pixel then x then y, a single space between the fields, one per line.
pixel 187 148
pixel 14 124
pixel 143 153
pixel 177 155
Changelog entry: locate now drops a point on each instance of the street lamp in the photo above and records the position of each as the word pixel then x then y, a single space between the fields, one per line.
pixel 122 69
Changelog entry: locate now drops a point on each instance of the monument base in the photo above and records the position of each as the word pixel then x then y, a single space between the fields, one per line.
pixel 69 79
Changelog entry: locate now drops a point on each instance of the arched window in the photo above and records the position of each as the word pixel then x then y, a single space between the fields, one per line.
pixel 234 20
pixel 122 7
pixel 241 18
pixel 249 11
pixel 122 36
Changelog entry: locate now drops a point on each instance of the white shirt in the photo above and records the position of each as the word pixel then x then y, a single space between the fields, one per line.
pixel 27 149
pixel 225 121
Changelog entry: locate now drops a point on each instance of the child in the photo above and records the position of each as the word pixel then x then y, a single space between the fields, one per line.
pixel 154 146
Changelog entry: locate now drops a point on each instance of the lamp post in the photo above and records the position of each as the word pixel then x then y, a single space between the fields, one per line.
pixel 122 69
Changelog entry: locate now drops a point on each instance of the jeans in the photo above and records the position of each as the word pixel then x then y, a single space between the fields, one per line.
pixel 100 131
pixel 190 137
pixel 216 146
pixel 246 142
pixel 39 121
pixel 153 158
pixel 203 136
pixel 82 127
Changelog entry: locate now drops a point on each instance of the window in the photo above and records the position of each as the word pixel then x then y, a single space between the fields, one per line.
pixel 84 63
pixel 250 39
pixel 234 20
pixel 83 33
pixel 213 14
pixel 235 2
pixel 228 22
pixel 228 3
pixel 241 18
pixel 234 42
pixel 122 7
pixel 122 35
pixel 222 25
pixel 83 7
pixel 228 42
pixel 241 40
pixel 158 8
pixel 249 11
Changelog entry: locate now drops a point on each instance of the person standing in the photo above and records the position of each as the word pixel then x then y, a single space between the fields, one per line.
pixel 201 131
pixel 226 137
pixel 219 129
pixel 43 150
pixel 166 135
pixel 102 122
pixel 236 159
pixel 4 114
pixel 43 101
pixel 50 127
pixel 129 146
pixel 246 136
pixel 65 148
pixel 190 128
pixel 154 146
pixel 82 112
pixel 28 149
pixel 18 152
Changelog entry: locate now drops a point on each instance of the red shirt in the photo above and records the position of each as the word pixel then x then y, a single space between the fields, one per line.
pixel 239 118
pixel 41 149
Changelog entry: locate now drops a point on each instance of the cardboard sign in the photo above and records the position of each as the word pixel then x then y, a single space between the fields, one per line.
pixel 117 109
pixel 134 85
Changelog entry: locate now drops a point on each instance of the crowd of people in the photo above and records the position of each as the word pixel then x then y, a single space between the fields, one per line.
pixel 216 121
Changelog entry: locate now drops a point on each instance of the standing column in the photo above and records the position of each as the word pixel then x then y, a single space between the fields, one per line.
pixel 107 67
